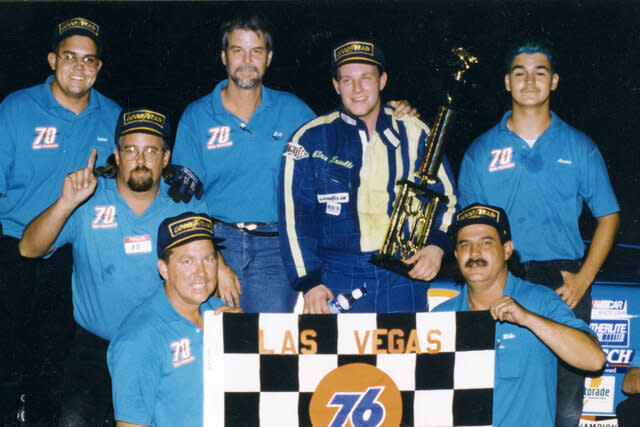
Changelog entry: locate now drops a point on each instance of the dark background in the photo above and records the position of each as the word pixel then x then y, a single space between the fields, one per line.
pixel 166 54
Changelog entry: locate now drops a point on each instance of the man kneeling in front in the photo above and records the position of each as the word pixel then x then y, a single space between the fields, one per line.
pixel 535 327
pixel 155 359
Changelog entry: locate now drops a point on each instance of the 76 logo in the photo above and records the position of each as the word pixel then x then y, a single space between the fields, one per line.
pixel 361 409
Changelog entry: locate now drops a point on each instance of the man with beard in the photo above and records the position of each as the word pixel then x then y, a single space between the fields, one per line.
pixel 535 327
pixel 114 264
pixel 233 140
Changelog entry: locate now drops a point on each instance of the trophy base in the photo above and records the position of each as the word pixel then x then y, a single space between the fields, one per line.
pixel 390 263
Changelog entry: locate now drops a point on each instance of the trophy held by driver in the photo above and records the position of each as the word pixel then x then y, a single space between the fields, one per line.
pixel 416 206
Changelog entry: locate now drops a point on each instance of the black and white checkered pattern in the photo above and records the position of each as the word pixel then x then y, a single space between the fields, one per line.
pixel 245 386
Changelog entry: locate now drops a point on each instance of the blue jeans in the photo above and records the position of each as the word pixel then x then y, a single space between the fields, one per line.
pixel 387 292
pixel 258 263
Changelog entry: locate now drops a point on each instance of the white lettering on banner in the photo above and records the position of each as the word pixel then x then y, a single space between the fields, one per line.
pixel 137 244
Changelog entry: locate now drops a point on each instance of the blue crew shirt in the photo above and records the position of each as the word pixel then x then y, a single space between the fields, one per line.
pixel 155 361
pixel 239 162
pixel 524 392
pixel 114 255
pixel 542 188
pixel 40 143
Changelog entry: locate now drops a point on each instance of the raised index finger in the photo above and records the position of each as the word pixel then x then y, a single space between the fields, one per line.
pixel 91 163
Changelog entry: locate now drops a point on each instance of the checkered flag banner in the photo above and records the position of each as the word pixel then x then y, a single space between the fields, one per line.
pixel 352 370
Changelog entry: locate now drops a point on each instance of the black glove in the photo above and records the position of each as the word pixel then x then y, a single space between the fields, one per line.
pixel 183 183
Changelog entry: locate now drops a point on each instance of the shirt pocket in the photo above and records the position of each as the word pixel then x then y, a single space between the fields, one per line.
pixel 509 361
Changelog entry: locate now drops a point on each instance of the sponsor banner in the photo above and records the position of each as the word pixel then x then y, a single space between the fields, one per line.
pixel 618 359
pixel 608 308
pixel 599 394
pixel 418 369
pixel 612 333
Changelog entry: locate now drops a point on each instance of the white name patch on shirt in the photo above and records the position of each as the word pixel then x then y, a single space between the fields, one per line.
pixel 137 244
pixel 333 208
pixel 333 197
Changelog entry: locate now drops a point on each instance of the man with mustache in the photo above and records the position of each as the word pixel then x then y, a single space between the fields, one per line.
pixel 535 327
pixel 542 171
pixel 111 225
pixel 233 140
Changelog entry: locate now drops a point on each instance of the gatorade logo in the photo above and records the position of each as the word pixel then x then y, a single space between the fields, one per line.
pixel 356 395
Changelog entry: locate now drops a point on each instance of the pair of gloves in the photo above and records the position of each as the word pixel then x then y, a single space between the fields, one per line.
pixel 183 183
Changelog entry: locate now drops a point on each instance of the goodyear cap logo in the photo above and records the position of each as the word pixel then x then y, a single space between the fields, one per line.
pixel 77 26
pixel 482 214
pixel 366 52
pixel 182 229
pixel 143 120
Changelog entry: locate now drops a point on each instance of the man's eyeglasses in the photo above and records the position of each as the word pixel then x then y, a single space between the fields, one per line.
pixel 90 61
pixel 131 153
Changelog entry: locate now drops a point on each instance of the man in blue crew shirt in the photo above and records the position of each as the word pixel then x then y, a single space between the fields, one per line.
pixel 155 358
pixel 540 171
pixel 233 139
pixel 111 224
pixel 337 191
pixel 535 327
pixel 46 131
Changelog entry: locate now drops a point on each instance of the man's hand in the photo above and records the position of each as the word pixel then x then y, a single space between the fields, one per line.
pixel 426 263
pixel 227 309
pixel 315 300
pixel 403 108
pixel 228 283
pixel 184 184
pixel 573 288
pixel 78 186
pixel 506 309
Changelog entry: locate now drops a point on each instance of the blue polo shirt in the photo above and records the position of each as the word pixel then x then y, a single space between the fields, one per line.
pixel 239 162
pixel 114 255
pixel 542 188
pixel 524 392
pixel 155 361
pixel 40 143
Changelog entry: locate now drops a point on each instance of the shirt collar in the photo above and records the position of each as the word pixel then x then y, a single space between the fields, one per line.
pixel 218 107
pixel 386 125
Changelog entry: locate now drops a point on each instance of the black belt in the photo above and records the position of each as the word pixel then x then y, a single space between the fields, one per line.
pixel 250 228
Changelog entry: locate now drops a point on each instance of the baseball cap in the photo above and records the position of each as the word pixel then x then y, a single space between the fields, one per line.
pixel 482 214
pixel 184 228
pixel 357 50
pixel 76 26
pixel 143 120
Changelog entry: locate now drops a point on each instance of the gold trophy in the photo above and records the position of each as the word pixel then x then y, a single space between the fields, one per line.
pixel 415 206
